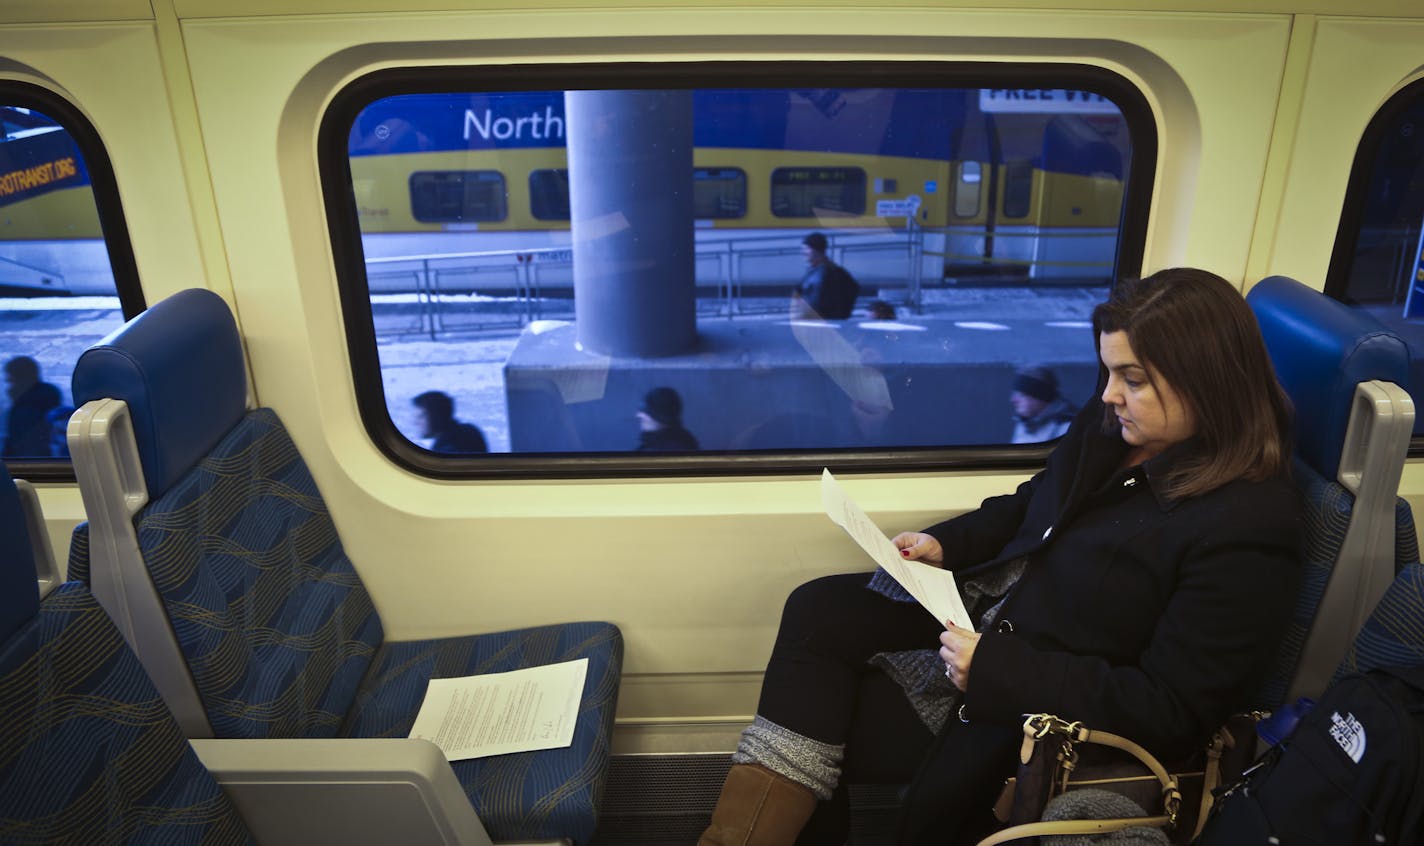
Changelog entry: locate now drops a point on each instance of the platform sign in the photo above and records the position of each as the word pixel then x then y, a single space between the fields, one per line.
pixel 907 207
pixel 1045 101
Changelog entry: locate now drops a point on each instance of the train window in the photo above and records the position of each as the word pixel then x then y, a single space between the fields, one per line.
pixel 1018 188
pixel 1378 261
pixel 664 288
pixel 968 188
pixel 816 192
pixel 719 192
pixel 458 196
pixel 67 275
pixel 549 193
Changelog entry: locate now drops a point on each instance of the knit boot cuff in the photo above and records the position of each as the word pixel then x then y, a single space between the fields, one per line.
pixel 808 762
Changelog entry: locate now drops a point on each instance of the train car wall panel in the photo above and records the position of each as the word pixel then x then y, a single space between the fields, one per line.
pixel 711 559
pixel 110 72
pixel 1355 66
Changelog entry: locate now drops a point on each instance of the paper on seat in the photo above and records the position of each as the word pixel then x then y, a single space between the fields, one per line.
pixel 500 713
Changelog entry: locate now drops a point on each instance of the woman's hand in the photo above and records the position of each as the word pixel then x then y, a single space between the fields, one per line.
pixel 957 650
pixel 918 546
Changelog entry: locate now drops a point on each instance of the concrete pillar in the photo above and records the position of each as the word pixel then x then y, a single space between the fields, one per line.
pixel 630 187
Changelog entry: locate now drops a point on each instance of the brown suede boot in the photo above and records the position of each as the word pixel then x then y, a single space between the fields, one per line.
pixel 758 808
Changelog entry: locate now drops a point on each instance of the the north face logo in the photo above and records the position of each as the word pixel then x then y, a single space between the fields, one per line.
pixel 1348 732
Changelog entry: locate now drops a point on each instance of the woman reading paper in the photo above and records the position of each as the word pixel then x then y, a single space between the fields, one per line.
pixel 1136 584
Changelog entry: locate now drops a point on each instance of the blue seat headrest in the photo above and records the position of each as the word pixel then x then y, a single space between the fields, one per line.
pixel 179 367
pixel 1321 350
pixel 19 590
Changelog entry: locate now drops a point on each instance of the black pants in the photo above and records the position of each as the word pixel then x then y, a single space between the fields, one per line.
pixel 819 684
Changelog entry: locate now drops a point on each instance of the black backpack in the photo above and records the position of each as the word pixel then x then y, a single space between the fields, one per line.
pixel 1348 774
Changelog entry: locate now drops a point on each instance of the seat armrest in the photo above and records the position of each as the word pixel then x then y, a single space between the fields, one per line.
pixel 46 569
pixel 353 791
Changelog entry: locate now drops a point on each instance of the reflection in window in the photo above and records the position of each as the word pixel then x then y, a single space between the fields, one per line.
pixel 57 289
pixel 659 319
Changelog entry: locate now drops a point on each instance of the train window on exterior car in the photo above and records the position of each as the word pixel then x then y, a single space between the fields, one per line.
pixel 1018 188
pixel 67 276
pixel 457 196
pixel 746 266
pixel 549 193
pixel 1378 261
pixel 967 189
pixel 719 192
pixel 816 192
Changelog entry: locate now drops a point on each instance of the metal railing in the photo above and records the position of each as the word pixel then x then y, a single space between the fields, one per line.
pixel 748 279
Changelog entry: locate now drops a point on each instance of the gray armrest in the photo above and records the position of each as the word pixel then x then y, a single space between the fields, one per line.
pixel 46 570
pixel 352 791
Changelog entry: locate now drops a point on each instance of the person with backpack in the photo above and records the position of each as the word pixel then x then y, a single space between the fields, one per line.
pixel 827 291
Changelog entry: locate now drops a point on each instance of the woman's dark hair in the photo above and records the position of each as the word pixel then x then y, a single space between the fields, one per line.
pixel 1194 330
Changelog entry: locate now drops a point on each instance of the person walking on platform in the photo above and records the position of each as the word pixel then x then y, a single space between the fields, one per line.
pixel 1040 411
pixel 437 413
pixel 27 424
pixel 660 419
pixel 827 291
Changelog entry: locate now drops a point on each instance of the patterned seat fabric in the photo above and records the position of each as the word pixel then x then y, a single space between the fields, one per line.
pixel 1326 515
pixel 282 639
pixel 511 793
pixel 1393 635
pixel 89 753
pixel 77 570
pixel 276 627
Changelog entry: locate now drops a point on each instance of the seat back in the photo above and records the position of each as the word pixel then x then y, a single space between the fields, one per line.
pixel 208 536
pixel 1343 372
pixel 90 753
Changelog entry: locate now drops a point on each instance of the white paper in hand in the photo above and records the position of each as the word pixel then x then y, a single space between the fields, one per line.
pixel 932 587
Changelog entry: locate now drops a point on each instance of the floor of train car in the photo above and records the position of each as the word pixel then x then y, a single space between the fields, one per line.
pixel 667 800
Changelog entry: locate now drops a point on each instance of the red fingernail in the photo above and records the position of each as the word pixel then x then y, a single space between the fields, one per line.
pixel 905 552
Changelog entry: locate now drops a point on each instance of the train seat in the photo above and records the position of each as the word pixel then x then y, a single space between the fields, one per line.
pixel 1343 372
pixel 91 754
pixel 210 544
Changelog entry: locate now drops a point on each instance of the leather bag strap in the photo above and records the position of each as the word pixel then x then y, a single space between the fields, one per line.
pixel 1046 829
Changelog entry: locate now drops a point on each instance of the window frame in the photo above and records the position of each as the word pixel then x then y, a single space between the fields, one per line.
pixel 112 224
pixel 354 294
pixel 1352 210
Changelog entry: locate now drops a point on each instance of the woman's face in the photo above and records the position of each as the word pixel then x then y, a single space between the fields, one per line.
pixel 1152 417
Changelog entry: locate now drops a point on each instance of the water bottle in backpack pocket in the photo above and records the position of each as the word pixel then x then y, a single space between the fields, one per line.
pixel 1347 774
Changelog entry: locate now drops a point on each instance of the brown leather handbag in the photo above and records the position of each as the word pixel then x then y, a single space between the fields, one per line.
pixel 1059 756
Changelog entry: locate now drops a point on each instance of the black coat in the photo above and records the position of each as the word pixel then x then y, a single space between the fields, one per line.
pixel 667 439
pixel 460 438
pixel 27 427
pixel 1137 614
pixel 829 290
